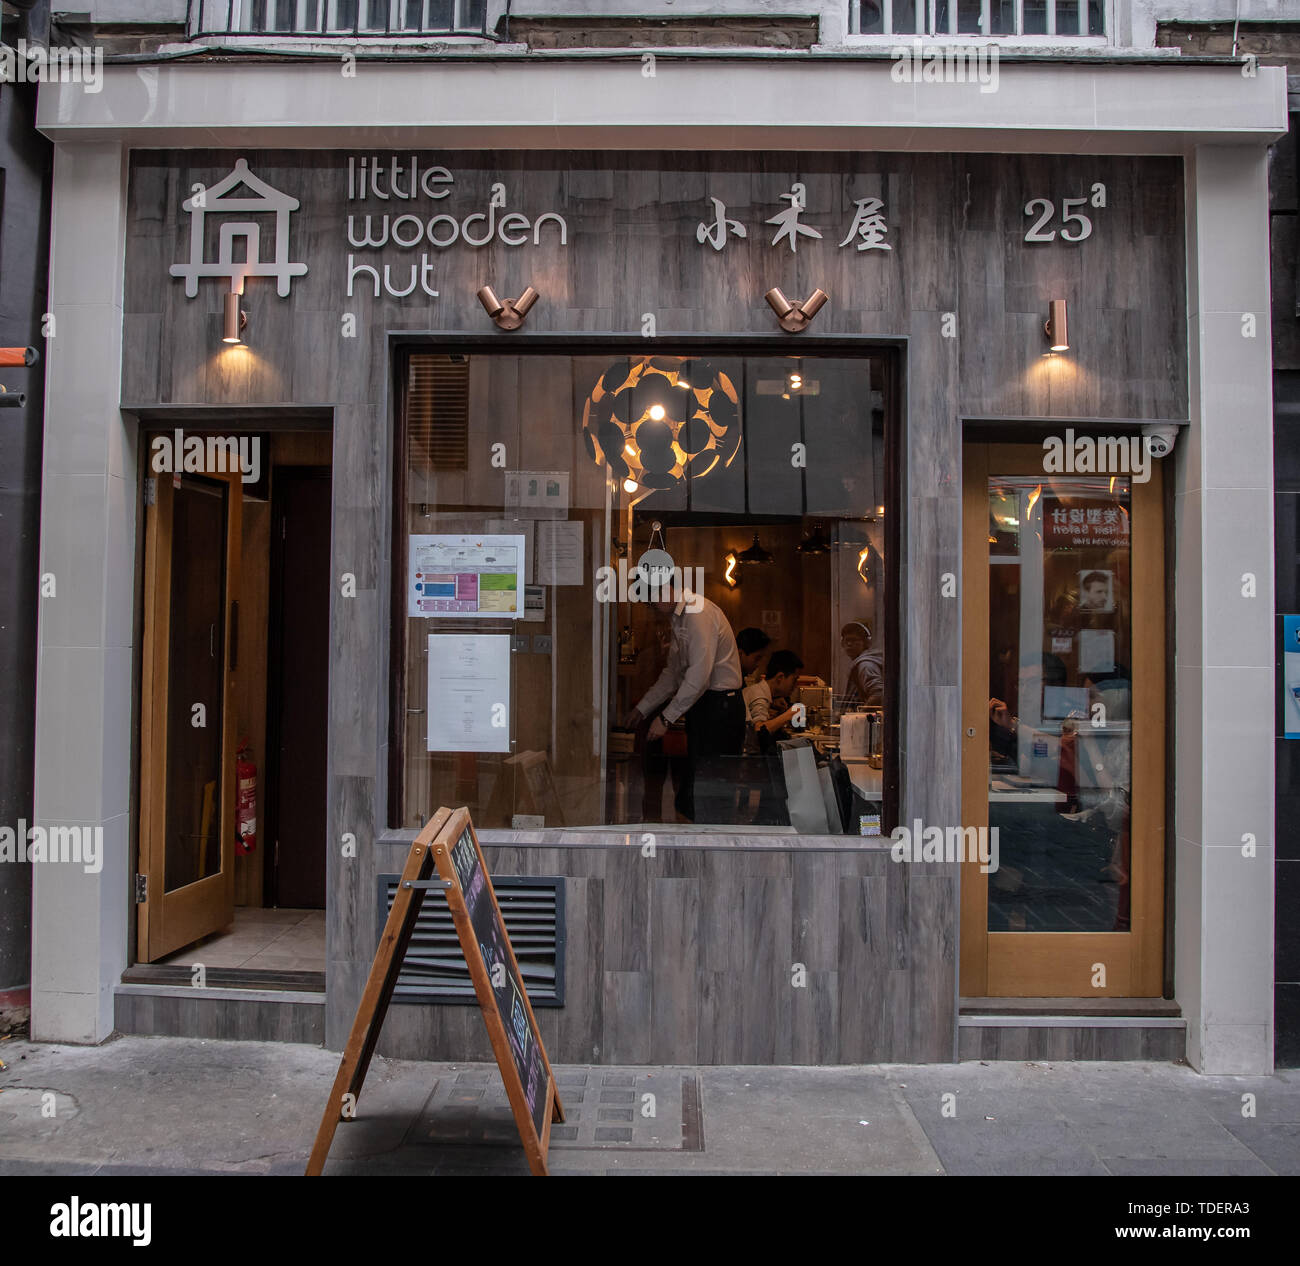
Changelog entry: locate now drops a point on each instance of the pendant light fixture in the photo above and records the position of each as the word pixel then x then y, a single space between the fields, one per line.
pixel 816 542
pixel 756 553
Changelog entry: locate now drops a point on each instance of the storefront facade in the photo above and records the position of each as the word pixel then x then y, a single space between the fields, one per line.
pixel 896 457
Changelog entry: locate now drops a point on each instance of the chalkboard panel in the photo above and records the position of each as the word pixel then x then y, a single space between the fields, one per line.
pixel 502 975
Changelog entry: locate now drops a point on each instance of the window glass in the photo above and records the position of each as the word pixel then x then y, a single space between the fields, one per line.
pixel 547 673
pixel 871 18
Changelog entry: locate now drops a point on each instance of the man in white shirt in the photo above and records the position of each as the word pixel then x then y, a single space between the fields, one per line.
pixel 702 683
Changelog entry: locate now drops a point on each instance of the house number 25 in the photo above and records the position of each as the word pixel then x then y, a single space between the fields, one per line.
pixel 1044 209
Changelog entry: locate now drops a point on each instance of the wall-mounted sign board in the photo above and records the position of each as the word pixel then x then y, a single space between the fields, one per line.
pixel 1291 676
pixel 448 848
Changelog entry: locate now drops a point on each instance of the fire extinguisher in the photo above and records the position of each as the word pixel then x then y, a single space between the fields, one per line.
pixel 245 799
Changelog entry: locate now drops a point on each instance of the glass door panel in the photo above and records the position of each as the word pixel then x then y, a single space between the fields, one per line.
pixel 1063 728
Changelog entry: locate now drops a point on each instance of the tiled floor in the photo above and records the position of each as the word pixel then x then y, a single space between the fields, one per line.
pixel 266 940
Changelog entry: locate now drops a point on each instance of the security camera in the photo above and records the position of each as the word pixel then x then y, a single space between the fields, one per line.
pixel 1160 438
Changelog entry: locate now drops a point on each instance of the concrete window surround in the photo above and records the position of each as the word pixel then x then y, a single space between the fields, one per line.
pixel 1220 122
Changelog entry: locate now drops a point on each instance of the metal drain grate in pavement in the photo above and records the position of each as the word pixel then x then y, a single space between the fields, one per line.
pixel 633 1110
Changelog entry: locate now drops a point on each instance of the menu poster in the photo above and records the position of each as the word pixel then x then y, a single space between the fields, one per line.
pixel 1291 676
pixel 468 706
pixel 537 494
pixel 466 577
pixel 1080 523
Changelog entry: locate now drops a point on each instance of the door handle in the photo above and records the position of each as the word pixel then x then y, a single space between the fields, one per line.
pixel 234 636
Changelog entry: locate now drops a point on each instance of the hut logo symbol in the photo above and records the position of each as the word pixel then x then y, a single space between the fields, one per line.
pixel 241 191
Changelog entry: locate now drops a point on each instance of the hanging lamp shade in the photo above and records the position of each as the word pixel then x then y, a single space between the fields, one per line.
pixel 756 553
pixel 660 420
pixel 816 542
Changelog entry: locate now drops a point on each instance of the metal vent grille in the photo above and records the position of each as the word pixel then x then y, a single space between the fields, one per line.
pixel 437 411
pixel 434 968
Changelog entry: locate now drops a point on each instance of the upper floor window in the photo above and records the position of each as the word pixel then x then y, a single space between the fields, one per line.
pixel 341 17
pixel 1062 18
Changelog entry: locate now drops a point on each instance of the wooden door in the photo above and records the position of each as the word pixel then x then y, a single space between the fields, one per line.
pixel 1063 731
pixel 188 723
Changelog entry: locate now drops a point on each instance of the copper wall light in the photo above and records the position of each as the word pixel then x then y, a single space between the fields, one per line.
pixel 509 314
pixel 731 569
pixel 236 320
pixel 1057 334
pixel 794 318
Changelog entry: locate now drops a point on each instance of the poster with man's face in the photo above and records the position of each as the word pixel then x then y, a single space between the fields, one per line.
pixel 1096 591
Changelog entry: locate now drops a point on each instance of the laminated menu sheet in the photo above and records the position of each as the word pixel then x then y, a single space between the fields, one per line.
pixel 466 577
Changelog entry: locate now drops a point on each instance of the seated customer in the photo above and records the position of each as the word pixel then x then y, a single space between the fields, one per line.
pixel 752 644
pixel 765 723
pixel 867 670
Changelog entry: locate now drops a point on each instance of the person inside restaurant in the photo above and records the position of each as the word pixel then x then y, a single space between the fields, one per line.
pixel 701 683
pixel 867 672
pixel 752 644
pixel 763 701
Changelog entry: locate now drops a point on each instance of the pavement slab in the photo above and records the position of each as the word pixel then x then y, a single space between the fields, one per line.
pixel 153 1105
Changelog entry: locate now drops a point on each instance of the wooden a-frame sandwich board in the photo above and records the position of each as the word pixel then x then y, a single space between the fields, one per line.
pixel 448 846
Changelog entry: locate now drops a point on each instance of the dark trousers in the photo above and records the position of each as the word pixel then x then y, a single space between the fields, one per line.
pixel 715 737
pixel 656 768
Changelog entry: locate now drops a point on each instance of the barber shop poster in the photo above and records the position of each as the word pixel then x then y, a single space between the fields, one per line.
pixel 1291 676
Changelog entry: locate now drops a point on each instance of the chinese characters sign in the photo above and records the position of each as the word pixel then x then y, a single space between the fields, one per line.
pixel 1084 523
pixel 869 226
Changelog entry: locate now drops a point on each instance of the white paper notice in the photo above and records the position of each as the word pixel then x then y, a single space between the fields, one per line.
pixel 1096 650
pixel 537 494
pixel 469 692
pixel 559 552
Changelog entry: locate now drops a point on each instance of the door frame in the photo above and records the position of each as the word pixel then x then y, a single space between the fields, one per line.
pixel 1059 964
pixel 167 921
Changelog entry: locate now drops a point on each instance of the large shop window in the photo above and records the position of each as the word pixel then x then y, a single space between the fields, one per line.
pixel 539 676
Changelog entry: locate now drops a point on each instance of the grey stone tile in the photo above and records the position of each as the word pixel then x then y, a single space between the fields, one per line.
pixel 995 1147
pixel 1177 1167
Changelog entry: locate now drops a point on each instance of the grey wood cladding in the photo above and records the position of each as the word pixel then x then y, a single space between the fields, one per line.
pixel 696 966
pixel 728 956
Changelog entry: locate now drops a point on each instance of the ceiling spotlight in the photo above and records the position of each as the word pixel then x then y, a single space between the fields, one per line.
pixel 794 318
pixel 509 314
pixel 630 485
pixel 1057 333
pixel 657 412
